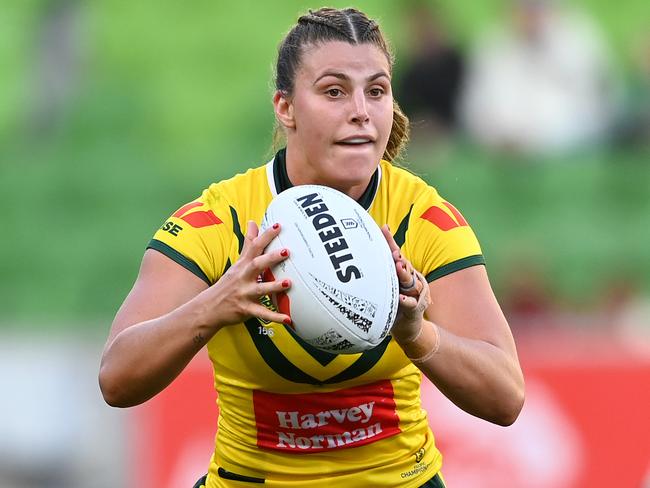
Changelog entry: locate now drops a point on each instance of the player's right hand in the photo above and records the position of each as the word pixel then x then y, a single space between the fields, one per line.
pixel 237 293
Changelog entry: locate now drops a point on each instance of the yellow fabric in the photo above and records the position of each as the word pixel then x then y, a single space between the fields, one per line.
pixel 257 364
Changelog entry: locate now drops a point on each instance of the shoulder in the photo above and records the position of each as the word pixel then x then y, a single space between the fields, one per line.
pixel 432 232
pixel 212 205
pixel 237 187
pixel 402 186
pixel 220 203
pixel 400 174
pixel 200 234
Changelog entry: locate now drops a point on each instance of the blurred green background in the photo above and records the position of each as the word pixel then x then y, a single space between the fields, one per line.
pixel 111 122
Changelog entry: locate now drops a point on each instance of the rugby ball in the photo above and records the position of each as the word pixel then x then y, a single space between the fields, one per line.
pixel 344 293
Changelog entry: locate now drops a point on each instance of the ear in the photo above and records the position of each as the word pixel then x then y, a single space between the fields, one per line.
pixel 284 110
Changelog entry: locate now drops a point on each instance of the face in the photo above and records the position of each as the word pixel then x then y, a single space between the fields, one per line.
pixel 339 117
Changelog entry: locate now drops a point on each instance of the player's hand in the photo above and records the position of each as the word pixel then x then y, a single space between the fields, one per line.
pixel 410 314
pixel 408 284
pixel 240 289
pixel 414 295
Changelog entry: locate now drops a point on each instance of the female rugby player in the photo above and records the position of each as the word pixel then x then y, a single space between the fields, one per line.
pixel 290 415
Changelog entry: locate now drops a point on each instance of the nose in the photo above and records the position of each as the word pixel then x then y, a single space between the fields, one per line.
pixel 359 108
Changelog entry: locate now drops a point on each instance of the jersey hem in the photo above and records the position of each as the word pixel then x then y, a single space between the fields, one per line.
pixel 454 266
pixel 176 256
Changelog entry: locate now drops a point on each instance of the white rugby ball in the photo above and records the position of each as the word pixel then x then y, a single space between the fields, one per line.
pixel 344 293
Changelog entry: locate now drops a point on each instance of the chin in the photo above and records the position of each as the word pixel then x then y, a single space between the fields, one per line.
pixel 358 164
pixel 345 170
pixel 346 178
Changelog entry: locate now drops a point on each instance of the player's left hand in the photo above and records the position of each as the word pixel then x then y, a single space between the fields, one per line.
pixel 410 314
pixel 414 295
pixel 409 285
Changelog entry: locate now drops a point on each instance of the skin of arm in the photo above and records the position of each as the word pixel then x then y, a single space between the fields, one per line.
pixel 476 364
pixel 170 314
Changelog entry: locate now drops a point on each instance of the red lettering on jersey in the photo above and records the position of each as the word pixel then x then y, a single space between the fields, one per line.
pixel 202 219
pixel 316 422
pixel 442 219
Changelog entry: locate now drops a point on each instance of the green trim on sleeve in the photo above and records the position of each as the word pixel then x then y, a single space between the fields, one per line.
pixel 176 256
pixel 455 266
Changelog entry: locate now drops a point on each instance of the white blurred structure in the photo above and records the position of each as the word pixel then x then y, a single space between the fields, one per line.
pixel 540 84
pixel 55 429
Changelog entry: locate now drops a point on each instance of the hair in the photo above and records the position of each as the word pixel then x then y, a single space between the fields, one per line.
pixel 329 24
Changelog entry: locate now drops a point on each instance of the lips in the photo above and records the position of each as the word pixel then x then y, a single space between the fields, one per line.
pixel 356 140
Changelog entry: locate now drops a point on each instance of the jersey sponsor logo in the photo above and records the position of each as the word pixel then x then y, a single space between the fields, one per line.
pixel 419 455
pixel 266 301
pixel 316 422
pixel 199 218
pixel 418 469
pixel 172 228
pixel 441 219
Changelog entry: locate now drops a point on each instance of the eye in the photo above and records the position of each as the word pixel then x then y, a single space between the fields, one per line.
pixel 334 92
pixel 376 92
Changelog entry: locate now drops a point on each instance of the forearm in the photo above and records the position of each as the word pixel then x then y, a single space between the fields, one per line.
pixel 477 376
pixel 146 357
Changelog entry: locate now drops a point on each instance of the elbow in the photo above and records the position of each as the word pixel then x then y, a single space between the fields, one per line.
pixel 508 416
pixel 114 395
pixel 510 409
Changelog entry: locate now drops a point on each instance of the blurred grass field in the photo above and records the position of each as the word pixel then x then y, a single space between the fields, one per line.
pixel 168 98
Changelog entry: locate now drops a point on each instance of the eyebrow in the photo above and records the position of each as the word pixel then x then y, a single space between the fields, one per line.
pixel 344 77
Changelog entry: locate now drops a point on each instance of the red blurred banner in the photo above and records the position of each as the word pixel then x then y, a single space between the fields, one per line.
pixel 585 424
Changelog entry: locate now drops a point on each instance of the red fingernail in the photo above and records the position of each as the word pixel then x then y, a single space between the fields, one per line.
pixel 287 321
pixel 284 253
pixel 276 225
pixel 285 284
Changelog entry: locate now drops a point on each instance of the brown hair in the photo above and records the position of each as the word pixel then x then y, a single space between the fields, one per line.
pixel 329 24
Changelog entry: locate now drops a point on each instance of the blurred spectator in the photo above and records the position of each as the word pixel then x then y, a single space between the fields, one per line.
pixel 634 128
pixel 541 83
pixel 429 87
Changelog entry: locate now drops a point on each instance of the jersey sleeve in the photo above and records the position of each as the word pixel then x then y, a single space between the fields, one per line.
pixel 439 240
pixel 198 237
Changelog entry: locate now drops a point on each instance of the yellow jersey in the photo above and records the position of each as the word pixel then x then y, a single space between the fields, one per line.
pixel 291 415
